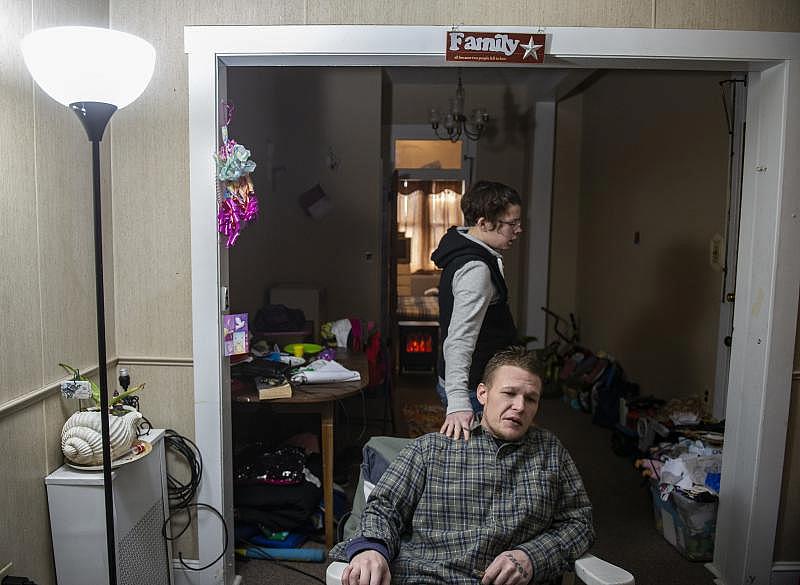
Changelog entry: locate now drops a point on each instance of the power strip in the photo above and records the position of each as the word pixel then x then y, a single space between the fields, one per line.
pixel 6 570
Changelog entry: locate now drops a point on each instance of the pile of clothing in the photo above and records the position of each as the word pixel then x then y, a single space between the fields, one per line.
pixel 692 466
pixel 276 489
pixel 278 499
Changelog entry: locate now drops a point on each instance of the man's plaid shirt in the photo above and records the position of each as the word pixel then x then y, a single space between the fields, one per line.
pixel 445 509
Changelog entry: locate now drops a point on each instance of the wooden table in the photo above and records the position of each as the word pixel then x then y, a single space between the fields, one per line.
pixel 320 399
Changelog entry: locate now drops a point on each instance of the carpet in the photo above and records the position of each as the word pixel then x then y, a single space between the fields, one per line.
pixel 423 418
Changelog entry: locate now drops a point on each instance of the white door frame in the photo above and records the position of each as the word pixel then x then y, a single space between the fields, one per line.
pixel 768 278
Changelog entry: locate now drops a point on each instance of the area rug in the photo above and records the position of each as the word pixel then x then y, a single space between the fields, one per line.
pixel 423 418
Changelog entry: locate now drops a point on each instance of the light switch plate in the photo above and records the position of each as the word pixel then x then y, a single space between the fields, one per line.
pixel 716 252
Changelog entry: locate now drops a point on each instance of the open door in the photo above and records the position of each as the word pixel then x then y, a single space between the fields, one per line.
pixel 734 95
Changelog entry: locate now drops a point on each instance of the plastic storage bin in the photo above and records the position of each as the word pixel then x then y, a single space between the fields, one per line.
pixel 686 524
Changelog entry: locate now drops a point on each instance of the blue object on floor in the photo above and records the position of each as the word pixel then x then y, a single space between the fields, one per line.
pixel 293 540
pixel 314 555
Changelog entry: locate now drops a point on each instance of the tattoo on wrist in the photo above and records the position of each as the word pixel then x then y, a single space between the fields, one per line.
pixel 520 569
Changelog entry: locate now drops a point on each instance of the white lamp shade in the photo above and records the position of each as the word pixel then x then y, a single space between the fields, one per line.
pixel 86 64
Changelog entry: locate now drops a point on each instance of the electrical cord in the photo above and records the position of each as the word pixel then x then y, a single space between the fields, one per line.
pixel 182 494
pixel 145 426
pixel 187 508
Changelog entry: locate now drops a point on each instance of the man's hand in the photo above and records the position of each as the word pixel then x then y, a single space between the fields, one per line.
pixel 456 423
pixel 512 567
pixel 368 567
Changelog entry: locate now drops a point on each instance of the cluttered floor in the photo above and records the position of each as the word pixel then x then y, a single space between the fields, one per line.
pixel 626 530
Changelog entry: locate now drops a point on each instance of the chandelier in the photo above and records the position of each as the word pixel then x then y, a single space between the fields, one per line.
pixel 455 123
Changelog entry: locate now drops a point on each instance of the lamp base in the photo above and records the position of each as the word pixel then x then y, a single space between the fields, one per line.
pixel 94 116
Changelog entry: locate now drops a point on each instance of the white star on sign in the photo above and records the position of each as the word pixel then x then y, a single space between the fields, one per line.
pixel 530 49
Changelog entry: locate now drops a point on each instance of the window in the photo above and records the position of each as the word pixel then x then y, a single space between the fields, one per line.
pixel 425 210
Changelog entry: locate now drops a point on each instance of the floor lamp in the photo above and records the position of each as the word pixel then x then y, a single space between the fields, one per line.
pixel 94 72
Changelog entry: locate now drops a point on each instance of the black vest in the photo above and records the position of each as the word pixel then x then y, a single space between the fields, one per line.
pixel 497 330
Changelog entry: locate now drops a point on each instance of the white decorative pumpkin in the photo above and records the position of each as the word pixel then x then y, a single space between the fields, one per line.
pixel 81 437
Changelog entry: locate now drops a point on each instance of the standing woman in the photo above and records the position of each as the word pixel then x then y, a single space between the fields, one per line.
pixel 474 317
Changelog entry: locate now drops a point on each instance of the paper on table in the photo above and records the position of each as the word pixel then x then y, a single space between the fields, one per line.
pixel 324 371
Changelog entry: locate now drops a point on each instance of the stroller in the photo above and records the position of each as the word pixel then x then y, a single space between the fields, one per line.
pixel 570 368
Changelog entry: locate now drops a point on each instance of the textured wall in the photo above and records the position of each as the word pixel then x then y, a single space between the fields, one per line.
pixel 47 293
pixel 46 256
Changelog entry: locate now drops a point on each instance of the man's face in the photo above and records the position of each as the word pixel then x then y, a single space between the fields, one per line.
pixel 510 402
pixel 502 233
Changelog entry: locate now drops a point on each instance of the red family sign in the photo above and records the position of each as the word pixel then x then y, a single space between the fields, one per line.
pixel 495 47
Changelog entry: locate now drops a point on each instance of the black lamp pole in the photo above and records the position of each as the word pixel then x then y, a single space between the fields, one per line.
pixel 95 116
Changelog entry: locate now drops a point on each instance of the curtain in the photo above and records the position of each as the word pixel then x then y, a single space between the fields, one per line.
pixel 411 220
pixel 424 217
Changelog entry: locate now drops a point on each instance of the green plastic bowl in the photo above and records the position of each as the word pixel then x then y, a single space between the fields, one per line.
pixel 308 348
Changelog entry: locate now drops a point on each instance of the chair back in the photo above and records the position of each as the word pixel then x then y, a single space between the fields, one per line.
pixel 378 453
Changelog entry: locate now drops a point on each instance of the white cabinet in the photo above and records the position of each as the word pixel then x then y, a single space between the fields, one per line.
pixel 78 524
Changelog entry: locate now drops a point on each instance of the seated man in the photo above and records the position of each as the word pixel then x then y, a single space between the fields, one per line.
pixel 507 507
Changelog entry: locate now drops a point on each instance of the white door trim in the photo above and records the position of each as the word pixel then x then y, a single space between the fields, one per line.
pixel 767 284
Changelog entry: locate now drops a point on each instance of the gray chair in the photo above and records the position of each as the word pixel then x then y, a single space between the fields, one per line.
pixel 589 569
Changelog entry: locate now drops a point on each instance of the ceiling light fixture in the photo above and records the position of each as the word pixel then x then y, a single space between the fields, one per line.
pixel 455 123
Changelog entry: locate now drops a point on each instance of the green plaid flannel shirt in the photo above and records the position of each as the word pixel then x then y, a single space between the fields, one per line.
pixel 446 509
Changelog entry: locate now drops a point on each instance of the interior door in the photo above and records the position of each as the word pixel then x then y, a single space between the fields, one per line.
pixel 735 100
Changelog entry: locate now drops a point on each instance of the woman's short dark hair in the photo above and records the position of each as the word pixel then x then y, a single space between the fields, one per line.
pixel 487 199
pixel 516 356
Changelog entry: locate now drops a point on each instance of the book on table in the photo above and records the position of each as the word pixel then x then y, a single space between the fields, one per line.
pixel 269 388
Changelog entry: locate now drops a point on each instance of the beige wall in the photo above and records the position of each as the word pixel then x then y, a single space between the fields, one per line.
pixel 565 228
pixel 47 291
pixel 46 257
pixel 654 160
pixel 302 114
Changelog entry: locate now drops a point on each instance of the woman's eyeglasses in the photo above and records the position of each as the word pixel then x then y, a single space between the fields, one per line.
pixel 514 224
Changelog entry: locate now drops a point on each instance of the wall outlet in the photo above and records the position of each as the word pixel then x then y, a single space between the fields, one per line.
pixel 5 570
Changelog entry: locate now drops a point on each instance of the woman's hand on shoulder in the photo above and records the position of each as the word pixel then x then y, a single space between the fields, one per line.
pixel 458 423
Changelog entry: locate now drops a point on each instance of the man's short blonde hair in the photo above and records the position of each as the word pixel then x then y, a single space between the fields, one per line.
pixel 516 356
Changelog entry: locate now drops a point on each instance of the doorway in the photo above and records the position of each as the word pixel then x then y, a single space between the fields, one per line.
pixel 765 315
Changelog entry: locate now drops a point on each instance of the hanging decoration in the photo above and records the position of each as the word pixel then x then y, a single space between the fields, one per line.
pixel 237 203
